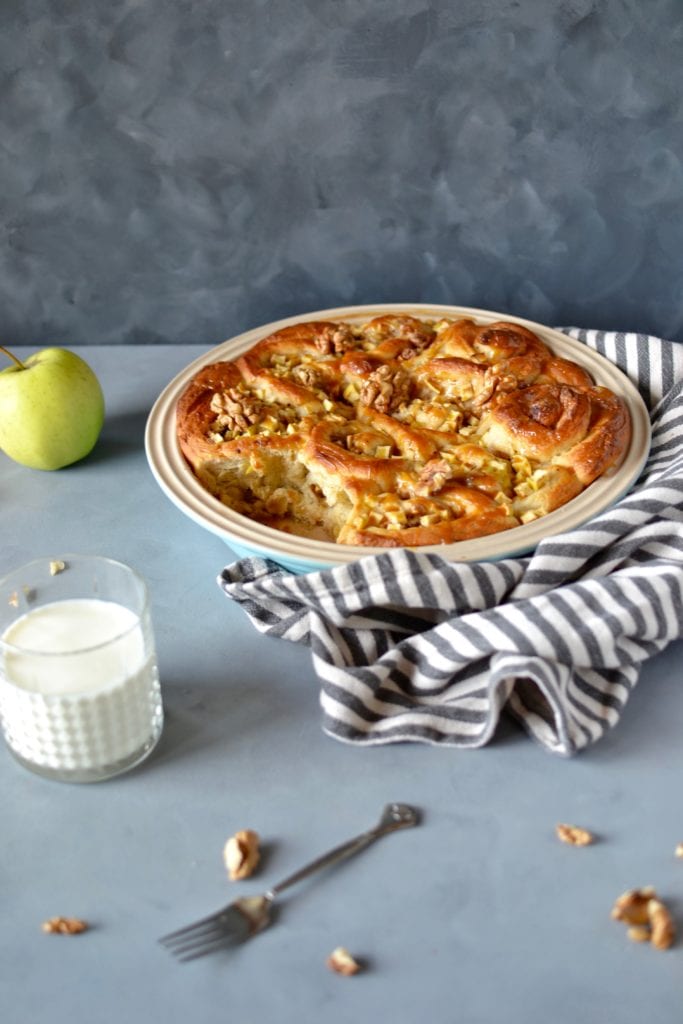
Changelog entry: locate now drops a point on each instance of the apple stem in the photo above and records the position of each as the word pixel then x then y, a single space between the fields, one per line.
pixel 12 357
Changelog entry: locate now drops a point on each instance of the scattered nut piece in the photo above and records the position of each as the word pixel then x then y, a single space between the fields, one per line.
pixel 648 918
pixel 573 835
pixel 13 600
pixel 57 566
pixel 241 854
pixel 679 850
pixel 64 926
pixel 631 907
pixel 662 925
pixel 341 961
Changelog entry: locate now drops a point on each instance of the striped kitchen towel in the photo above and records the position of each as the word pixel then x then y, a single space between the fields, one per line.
pixel 410 647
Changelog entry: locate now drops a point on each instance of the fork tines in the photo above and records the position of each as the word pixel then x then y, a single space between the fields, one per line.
pixel 207 935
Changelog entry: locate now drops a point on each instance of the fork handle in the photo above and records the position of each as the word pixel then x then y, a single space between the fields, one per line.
pixel 395 816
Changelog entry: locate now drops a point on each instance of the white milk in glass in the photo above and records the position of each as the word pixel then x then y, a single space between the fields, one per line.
pixel 80 691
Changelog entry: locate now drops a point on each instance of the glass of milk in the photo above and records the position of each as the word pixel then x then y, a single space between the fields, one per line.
pixel 79 688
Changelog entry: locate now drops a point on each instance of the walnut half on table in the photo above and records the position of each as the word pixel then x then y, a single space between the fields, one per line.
pixel 647 917
pixel 64 926
pixel 241 854
pixel 573 835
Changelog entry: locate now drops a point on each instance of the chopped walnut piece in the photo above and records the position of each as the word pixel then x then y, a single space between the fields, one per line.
pixel 305 375
pixel 334 340
pixel 407 353
pixel 385 389
pixel 433 477
pixel 13 599
pixel 241 854
pixel 489 384
pixel 236 410
pixel 647 916
pixel 679 850
pixel 573 835
pixel 494 382
pixel 57 566
pixel 631 906
pixel 414 332
pixel 64 926
pixel 661 925
pixel 341 961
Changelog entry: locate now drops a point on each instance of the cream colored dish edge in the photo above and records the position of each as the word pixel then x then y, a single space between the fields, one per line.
pixel 299 554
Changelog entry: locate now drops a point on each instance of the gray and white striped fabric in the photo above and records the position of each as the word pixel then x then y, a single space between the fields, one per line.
pixel 408 647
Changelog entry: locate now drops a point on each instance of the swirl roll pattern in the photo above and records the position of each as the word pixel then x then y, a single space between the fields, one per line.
pixel 400 432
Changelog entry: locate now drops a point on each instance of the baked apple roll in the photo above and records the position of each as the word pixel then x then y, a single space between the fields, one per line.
pixel 584 429
pixel 399 432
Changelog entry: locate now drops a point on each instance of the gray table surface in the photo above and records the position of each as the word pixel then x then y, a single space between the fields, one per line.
pixel 478 915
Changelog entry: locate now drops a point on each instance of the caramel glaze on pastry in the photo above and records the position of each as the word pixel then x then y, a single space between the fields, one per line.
pixel 400 432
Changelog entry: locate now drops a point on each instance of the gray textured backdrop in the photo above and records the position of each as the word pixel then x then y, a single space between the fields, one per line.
pixel 179 171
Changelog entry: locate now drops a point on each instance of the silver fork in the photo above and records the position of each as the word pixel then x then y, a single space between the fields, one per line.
pixel 251 914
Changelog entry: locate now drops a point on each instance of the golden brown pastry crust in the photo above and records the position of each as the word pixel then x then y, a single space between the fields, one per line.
pixel 400 432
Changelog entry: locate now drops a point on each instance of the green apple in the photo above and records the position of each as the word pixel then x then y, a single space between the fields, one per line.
pixel 51 409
